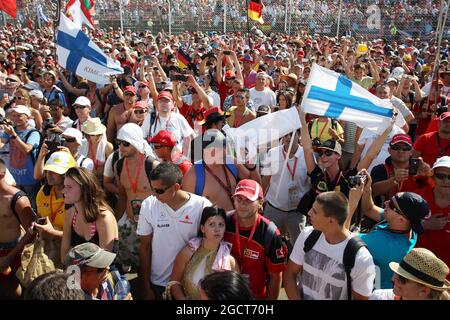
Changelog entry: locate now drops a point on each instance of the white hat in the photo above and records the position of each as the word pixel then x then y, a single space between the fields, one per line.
pixel 442 162
pixel 22 109
pixel 82 101
pixel 93 126
pixel 398 72
pixel 74 133
pixel 391 79
pixel 37 93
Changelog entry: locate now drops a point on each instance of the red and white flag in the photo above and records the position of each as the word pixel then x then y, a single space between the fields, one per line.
pixel 9 7
pixel 81 12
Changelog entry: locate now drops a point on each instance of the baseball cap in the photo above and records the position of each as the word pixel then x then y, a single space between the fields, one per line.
pixel 212 115
pixel 129 89
pixel 74 133
pixel 32 86
pixel 229 74
pixel 89 254
pixel 37 93
pixel 141 105
pixel 444 115
pixel 401 137
pixel 247 58
pixel 165 94
pixel 301 53
pixel 59 162
pixel 165 138
pixel 22 109
pixel 250 189
pixel 442 162
pixel 391 80
pixel 145 83
pixel 331 145
pixel 82 101
pixel 414 207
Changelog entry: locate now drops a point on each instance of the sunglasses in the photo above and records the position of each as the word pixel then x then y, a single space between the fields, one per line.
pixel 55 108
pixel 124 143
pixel 70 140
pixel 394 208
pixel 20 98
pixel 142 87
pixel 157 147
pixel 10 80
pixel 78 107
pixel 326 153
pixel 161 191
pixel 140 111
pixel 442 176
pixel 400 148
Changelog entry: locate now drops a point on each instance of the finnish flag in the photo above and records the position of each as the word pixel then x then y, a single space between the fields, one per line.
pixel 333 95
pixel 78 54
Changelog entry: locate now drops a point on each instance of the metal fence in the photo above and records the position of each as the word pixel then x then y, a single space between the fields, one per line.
pixel 383 18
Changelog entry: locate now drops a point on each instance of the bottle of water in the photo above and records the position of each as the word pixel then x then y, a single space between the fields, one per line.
pixel 122 288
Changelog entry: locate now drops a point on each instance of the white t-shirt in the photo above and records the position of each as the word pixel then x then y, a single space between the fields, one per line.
pixel 171 231
pixel 213 98
pixel 9 179
pixel 323 276
pixel 367 138
pixel 175 123
pixel 266 97
pixel 85 162
pixel 299 185
pixel 382 294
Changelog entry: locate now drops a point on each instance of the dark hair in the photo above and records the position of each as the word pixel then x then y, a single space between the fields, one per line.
pixel 334 204
pixel 52 286
pixel 226 285
pixel 287 96
pixel 209 212
pixel 244 90
pixel 167 172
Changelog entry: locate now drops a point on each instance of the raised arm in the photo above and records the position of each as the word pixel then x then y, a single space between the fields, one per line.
pixel 307 144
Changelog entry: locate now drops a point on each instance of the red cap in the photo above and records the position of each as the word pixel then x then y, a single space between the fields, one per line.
pixel 444 116
pixel 440 82
pixel 300 53
pixel 145 83
pixel 141 105
pixel 164 138
pixel 249 189
pixel 308 41
pixel 401 137
pixel 129 89
pixel 229 74
pixel 165 94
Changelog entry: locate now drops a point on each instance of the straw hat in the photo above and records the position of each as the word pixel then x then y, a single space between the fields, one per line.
pixel 93 126
pixel 290 78
pixel 422 266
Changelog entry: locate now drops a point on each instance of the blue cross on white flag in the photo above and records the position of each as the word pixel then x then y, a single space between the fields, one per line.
pixel 77 53
pixel 333 95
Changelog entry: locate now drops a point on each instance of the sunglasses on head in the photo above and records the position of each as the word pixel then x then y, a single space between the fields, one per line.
pixel 442 176
pixel 401 148
pixel 326 153
pixel 139 111
pixel 124 143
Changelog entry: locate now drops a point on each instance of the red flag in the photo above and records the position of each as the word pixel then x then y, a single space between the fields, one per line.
pixel 9 6
pixel 30 23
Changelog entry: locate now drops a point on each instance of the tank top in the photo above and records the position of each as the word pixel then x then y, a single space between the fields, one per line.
pixel 76 239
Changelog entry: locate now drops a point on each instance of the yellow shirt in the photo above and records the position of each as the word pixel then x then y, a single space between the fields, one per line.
pixel 320 129
pixel 52 207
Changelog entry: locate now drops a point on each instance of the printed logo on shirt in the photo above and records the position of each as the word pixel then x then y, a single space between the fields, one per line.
pixel 165 225
pixel 251 254
pixel 280 253
pixel 186 220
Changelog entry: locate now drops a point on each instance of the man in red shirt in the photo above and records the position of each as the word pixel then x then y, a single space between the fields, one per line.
pixel 224 86
pixel 431 146
pixel 247 231
pixel 164 146
pixel 437 227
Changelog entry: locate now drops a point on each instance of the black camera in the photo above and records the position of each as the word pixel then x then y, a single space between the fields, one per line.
pixel 414 164
pixel 356 180
pixel 48 123
pixel 53 145
pixel 6 121
pixel 441 110
pixel 316 142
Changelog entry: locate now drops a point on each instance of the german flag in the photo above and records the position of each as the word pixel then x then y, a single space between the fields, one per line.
pixel 255 8
pixel 183 59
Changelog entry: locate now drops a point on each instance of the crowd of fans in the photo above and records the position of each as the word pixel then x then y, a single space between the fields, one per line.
pixel 139 175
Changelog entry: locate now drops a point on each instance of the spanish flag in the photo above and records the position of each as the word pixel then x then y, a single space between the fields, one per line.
pixel 183 59
pixel 255 8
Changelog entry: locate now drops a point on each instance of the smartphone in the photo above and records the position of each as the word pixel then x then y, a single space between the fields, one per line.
pixel 413 166
pixel 41 221
pixel 226 52
pixel 178 77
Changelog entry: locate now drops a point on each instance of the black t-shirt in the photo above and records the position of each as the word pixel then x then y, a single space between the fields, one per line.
pixel 320 182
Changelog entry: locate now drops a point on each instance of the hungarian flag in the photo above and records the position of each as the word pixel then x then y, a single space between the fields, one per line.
pixel 81 12
pixel 183 59
pixel 9 6
pixel 255 8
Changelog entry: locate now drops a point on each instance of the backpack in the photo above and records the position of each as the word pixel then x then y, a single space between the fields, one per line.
pixel 19 194
pixel 271 232
pixel 200 175
pixel 152 121
pixel 148 166
pixel 38 149
pixel 350 251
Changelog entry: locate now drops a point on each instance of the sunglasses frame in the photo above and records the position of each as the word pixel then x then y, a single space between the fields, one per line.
pixel 125 143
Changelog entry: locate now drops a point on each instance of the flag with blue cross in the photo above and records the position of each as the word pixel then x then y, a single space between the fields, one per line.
pixel 78 54
pixel 333 95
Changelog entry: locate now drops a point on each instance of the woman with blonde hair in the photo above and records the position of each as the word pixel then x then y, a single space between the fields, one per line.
pixel 90 219
pixel 420 276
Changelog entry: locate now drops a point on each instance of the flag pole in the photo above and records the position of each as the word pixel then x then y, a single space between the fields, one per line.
pixel 37 15
pixel 339 19
pixel 121 16
pixel 225 16
pixel 248 26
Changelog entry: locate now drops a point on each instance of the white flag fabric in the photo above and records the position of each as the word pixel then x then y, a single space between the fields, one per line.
pixel 333 95
pixel 78 54
pixel 81 12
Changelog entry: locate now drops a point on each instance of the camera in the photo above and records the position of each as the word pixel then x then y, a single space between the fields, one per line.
pixel 413 166
pixel 6 121
pixel 440 110
pixel 41 221
pixel 178 77
pixel 53 145
pixel 48 123
pixel 356 180
pixel 227 52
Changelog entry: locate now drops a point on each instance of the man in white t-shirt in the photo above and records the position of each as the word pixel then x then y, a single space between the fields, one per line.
pixel 321 268
pixel 166 119
pixel 260 94
pixel 285 186
pixel 167 221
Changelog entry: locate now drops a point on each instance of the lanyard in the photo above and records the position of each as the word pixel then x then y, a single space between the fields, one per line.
pixel 54 213
pixel 134 183
pixel 96 162
pixel 292 172
pixel 160 124
pixel 238 242
pixel 317 129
